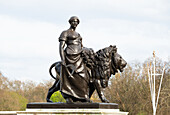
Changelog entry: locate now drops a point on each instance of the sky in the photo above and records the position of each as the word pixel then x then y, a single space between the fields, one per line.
pixel 29 31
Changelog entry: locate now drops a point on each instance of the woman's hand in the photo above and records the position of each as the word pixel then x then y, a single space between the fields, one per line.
pixel 63 63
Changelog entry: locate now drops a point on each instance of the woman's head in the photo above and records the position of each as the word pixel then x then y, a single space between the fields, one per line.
pixel 74 18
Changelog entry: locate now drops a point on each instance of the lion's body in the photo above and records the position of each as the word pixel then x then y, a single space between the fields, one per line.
pixel 100 65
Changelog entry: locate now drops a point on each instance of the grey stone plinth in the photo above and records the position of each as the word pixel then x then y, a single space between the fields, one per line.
pixel 74 112
pixel 73 108
pixel 69 109
pixel 65 112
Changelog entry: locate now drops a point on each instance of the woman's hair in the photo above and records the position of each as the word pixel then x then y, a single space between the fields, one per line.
pixel 73 18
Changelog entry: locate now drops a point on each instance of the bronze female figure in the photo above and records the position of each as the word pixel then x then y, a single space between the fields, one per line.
pixel 74 87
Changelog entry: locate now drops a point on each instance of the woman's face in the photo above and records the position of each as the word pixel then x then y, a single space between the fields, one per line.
pixel 74 23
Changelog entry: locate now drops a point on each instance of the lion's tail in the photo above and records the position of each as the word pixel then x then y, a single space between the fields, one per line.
pixel 50 70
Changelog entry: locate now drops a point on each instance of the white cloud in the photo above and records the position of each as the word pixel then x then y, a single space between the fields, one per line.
pixel 27 47
pixel 152 9
pixel 19 37
pixel 136 40
pixel 142 8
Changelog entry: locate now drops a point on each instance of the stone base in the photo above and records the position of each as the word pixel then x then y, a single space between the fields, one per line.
pixel 65 112
pixel 69 109
pixel 74 111
pixel 74 108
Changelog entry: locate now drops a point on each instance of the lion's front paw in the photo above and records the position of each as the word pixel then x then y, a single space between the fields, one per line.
pixel 104 100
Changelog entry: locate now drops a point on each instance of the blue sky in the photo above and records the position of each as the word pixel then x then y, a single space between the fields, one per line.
pixel 29 31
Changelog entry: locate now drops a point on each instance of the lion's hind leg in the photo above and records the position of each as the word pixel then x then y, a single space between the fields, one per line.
pixel 54 88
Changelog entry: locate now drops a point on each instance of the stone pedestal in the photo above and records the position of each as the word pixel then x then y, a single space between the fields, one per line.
pixel 70 109
pixel 74 108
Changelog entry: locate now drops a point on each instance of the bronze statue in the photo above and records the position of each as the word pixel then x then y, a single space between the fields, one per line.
pixel 81 70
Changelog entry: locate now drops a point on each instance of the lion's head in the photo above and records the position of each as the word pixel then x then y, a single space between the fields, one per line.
pixel 118 63
pixel 103 63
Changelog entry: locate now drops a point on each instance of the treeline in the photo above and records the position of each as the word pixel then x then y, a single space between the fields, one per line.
pixel 129 89
pixel 15 94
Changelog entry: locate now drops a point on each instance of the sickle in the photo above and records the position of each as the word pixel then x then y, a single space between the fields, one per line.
pixel 50 70
pixel 73 68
